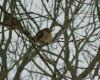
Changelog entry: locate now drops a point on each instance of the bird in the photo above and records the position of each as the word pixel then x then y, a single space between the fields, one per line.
pixel 11 22
pixel 44 36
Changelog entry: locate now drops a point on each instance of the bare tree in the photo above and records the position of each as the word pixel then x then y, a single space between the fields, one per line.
pixel 73 53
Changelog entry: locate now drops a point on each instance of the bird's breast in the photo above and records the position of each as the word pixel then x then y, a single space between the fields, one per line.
pixel 47 38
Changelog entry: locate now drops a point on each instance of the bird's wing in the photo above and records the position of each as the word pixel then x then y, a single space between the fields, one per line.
pixel 39 35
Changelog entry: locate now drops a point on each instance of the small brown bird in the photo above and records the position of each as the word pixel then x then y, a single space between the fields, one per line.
pixel 11 22
pixel 44 36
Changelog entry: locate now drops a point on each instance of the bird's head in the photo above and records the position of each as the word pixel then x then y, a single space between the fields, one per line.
pixel 47 30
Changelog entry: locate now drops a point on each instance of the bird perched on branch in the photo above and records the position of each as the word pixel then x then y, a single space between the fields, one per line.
pixel 11 22
pixel 44 36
